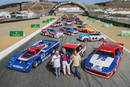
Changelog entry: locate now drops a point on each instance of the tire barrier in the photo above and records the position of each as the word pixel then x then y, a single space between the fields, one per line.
pixel 93 20
pixel 35 25
pixel 125 33
pixel 48 20
pixel 115 23
pixel 107 25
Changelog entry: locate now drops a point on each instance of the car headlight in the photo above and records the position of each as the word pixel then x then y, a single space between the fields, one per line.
pixel 10 62
pixel 91 64
pixel 104 68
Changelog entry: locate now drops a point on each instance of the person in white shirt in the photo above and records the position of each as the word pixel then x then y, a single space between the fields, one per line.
pixel 56 63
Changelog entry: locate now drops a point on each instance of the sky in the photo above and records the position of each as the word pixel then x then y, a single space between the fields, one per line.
pixel 2 2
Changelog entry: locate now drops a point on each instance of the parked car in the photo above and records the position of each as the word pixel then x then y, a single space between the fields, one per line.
pixel 68 30
pixel 30 58
pixel 52 32
pixel 105 60
pixel 83 28
pixel 91 37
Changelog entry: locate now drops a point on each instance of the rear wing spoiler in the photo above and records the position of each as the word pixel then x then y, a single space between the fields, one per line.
pixel 113 43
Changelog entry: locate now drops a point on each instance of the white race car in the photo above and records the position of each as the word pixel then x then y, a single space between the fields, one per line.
pixel 91 37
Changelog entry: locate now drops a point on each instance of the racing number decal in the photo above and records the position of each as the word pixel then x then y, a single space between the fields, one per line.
pixel 43 56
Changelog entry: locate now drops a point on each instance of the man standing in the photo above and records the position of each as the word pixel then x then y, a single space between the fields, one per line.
pixel 56 63
pixel 76 63
pixel 66 61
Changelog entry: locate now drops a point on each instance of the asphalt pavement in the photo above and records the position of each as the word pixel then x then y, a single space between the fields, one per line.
pixel 43 76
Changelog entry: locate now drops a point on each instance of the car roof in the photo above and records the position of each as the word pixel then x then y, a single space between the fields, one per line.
pixel 71 45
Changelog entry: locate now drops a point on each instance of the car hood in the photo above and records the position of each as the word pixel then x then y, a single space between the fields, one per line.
pixel 100 61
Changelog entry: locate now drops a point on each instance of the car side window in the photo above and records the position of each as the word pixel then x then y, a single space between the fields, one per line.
pixel 78 48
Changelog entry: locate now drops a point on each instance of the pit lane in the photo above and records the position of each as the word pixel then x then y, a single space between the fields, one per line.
pixel 43 77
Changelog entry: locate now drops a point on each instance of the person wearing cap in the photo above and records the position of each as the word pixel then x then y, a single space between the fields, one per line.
pixel 56 63
pixel 66 61
pixel 76 64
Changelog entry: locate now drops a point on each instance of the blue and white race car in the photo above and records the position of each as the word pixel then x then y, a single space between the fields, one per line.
pixel 105 60
pixel 91 37
pixel 30 58
pixel 68 30
pixel 52 32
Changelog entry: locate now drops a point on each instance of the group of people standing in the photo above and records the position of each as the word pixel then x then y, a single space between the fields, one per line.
pixel 66 60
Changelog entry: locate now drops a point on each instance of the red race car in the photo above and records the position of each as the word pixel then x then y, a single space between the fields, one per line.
pixel 105 60
pixel 56 24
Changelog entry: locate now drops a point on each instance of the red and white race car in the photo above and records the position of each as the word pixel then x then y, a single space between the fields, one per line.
pixel 71 47
pixel 56 24
pixel 52 32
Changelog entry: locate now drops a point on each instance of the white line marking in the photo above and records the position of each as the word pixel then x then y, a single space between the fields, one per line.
pixel 107 36
pixel 12 48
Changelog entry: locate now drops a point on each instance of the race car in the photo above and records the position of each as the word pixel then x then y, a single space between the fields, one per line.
pixel 83 28
pixel 69 19
pixel 56 24
pixel 68 23
pixel 51 32
pixel 71 47
pixel 30 58
pixel 80 22
pixel 105 60
pixel 68 30
pixel 91 37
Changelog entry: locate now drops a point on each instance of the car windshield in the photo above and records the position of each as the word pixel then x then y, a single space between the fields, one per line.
pixel 70 50
pixel 28 54
pixel 105 53
pixel 83 26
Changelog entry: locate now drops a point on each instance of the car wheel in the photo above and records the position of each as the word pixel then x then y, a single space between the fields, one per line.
pixel 70 34
pixel 101 39
pixel 35 63
pixel 52 35
pixel 83 54
pixel 53 51
pixel 85 40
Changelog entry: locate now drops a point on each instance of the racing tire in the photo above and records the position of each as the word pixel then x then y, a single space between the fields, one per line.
pixel 53 51
pixel 35 63
pixel 52 35
pixel 102 39
pixel 69 34
pixel 43 34
pixel 85 40
pixel 83 54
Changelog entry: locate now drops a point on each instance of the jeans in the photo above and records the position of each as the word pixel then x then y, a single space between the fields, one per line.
pixel 65 64
pixel 57 71
pixel 77 71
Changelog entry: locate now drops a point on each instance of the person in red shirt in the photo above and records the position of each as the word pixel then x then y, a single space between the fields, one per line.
pixel 66 61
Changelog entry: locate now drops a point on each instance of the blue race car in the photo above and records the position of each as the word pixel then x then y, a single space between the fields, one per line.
pixel 68 30
pixel 30 58
pixel 105 60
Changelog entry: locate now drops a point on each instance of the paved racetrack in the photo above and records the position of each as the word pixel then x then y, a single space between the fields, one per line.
pixel 42 76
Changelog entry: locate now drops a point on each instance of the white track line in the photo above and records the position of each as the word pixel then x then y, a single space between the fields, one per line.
pixel 12 48
pixel 107 36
